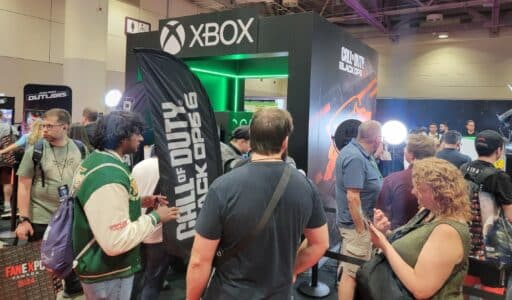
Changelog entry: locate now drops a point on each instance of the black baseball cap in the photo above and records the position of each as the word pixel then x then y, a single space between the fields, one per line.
pixel 241 132
pixel 487 141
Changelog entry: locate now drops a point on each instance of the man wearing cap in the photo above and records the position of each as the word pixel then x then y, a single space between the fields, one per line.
pixel 450 145
pixel 489 145
pixel 233 152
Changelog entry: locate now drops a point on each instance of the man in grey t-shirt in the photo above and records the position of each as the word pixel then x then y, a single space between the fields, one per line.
pixel 358 183
pixel 37 202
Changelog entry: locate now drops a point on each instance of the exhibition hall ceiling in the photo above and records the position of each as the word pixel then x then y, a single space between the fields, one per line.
pixel 392 18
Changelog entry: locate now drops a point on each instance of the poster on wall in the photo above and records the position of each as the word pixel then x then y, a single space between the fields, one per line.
pixel 42 97
pixel 186 141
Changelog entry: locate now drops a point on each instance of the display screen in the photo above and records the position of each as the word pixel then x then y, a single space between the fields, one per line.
pixel 7 118
pixel 30 116
pixel 252 105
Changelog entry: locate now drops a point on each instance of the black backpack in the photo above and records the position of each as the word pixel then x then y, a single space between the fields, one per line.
pixel 37 155
pixel 474 178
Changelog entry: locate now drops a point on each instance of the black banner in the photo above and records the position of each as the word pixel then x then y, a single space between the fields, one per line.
pixel 227 32
pixel 42 97
pixel 23 276
pixel 186 141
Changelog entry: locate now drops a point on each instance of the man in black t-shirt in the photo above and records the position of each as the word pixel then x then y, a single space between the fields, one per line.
pixel 235 203
pixel 489 146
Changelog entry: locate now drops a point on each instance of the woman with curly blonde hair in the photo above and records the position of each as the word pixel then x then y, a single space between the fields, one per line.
pixel 432 260
pixel 27 139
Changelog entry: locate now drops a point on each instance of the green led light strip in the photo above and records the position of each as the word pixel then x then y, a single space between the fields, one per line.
pixel 235 103
pixel 238 76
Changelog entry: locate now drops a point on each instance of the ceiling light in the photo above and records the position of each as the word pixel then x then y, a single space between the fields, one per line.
pixel 442 35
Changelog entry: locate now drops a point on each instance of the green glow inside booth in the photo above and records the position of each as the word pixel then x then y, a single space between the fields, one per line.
pixel 224 77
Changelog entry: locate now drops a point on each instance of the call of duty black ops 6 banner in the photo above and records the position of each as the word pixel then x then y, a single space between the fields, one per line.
pixel 186 141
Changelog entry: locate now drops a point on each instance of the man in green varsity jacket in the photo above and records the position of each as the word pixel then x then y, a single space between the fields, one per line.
pixel 108 226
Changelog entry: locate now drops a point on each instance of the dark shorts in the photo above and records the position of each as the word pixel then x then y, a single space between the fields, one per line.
pixel 6 175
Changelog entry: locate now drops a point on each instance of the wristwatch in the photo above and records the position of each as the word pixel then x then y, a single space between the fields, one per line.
pixel 22 219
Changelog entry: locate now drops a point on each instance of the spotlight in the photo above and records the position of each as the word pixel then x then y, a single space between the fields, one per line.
pixel 112 98
pixel 443 35
pixel 394 132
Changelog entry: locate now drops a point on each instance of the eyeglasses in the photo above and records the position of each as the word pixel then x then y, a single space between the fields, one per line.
pixel 50 126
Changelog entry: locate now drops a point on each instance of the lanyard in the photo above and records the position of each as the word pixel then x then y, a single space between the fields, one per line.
pixel 61 170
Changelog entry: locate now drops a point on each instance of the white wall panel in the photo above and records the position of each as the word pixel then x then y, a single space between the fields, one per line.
pixel 468 66
pixel 116 54
pixel 18 72
pixel 57 43
pixel 58 10
pixel 24 37
pixel 35 8
pixel 157 7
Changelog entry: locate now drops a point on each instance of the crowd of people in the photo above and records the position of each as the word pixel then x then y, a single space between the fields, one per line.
pixel 119 212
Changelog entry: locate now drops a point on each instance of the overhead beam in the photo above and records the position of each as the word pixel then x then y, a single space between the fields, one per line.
pixel 476 15
pixel 324 7
pixel 365 15
pixel 418 2
pixel 495 17
pixel 424 9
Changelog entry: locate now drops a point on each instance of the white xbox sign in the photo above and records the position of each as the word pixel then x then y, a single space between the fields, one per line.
pixel 173 35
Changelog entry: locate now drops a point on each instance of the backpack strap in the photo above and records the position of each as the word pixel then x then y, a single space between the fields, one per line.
pixel 37 155
pixel 480 176
pixel 80 147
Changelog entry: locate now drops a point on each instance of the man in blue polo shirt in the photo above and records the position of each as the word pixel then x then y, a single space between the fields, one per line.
pixel 358 183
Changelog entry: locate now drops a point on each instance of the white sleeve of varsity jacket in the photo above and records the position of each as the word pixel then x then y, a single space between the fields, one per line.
pixel 107 211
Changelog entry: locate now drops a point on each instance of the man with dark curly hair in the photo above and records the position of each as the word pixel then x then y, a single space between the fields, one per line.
pixel 107 225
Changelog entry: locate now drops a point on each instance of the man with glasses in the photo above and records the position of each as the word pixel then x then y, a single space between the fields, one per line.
pixel 38 196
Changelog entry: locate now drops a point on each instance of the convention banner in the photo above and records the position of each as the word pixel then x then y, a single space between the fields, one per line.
pixel 186 141
pixel 38 98
pixel 23 276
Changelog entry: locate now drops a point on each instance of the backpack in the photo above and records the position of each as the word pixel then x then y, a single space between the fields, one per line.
pixel 37 155
pixel 490 239
pixel 57 243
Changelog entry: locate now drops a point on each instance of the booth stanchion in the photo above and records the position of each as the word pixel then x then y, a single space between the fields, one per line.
pixel 314 288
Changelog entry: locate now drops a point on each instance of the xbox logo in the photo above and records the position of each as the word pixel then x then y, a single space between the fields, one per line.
pixel 172 37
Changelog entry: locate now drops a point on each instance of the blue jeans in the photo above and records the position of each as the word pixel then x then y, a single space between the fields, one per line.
pixel 156 263
pixel 114 289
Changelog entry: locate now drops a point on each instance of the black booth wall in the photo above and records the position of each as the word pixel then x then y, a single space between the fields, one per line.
pixel 416 113
pixel 274 35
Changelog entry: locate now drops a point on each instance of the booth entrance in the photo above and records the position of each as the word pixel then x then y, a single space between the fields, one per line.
pixel 226 78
